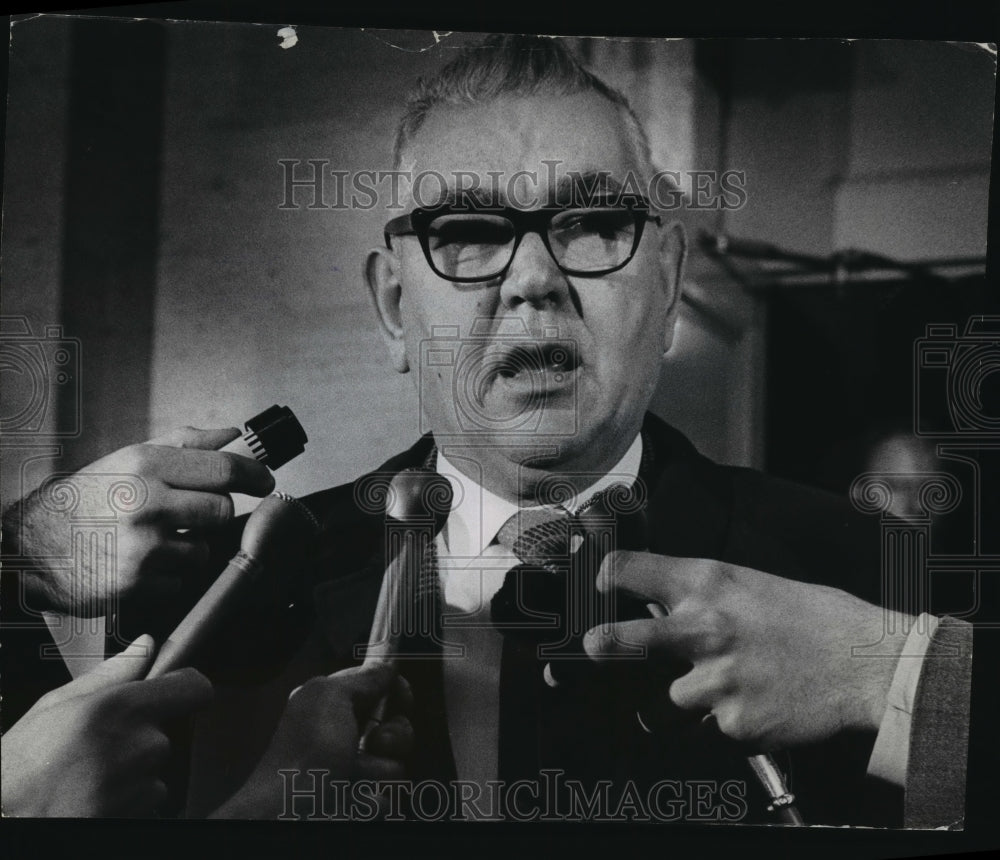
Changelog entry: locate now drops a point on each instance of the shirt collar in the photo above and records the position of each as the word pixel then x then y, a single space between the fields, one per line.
pixel 477 513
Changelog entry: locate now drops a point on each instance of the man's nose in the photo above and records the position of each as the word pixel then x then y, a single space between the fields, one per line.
pixel 533 277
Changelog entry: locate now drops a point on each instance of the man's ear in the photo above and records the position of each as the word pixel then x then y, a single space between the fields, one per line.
pixel 673 256
pixel 381 274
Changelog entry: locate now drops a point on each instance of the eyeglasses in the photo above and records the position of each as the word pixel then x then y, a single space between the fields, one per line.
pixel 466 243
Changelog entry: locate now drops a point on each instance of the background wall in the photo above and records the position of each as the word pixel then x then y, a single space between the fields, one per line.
pixel 883 146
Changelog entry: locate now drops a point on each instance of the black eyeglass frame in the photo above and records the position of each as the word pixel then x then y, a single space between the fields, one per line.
pixel 417 222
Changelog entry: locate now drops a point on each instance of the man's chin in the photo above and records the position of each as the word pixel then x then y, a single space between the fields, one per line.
pixel 550 435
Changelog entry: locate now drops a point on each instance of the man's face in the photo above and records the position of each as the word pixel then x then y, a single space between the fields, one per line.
pixel 589 400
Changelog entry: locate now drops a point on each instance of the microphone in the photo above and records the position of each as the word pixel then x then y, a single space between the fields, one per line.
pixel 418 502
pixel 280 530
pixel 273 437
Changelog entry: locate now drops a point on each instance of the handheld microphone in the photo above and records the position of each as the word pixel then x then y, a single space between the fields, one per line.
pixel 418 502
pixel 280 530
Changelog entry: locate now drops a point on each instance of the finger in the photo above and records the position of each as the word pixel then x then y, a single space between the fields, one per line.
pixel 367 684
pixel 146 751
pixel 695 691
pixel 173 695
pixel 130 665
pixel 400 697
pixel 191 509
pixel 391 739
pixel 673 636
pixel 660 578
pixel 213 471
pixel 192 437
pixel 379 768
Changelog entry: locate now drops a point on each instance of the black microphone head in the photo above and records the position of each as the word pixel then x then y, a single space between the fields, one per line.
pixel 275 436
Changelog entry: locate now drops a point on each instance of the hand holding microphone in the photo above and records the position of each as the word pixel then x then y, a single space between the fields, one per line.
pixel 320 730
pixel 277 534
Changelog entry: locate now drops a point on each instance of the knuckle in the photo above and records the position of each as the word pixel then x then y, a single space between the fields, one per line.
pixel 224 509
pixel 717 631
pixel 158 746
pixel 105 712
pixel 711 572
pixel 223 469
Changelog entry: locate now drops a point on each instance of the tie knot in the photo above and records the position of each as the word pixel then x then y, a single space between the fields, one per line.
pixel 537 535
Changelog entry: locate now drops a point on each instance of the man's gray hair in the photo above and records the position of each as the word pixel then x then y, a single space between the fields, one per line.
pixel 503 65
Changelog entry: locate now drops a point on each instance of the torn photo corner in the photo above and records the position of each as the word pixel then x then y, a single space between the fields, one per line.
pixel 652 390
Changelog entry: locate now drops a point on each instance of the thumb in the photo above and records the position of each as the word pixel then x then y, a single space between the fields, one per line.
pixel 368 683
pixel 130 665
pixel 192 437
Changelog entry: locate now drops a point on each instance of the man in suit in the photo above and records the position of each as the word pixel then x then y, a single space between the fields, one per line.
pixel 534 318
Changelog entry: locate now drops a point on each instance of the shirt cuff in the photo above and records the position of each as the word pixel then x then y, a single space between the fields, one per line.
pixel 892 745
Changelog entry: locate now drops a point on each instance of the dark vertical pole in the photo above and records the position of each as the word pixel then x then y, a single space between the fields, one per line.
pixel 111 223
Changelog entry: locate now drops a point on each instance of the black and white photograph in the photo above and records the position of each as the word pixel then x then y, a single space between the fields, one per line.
pixel 497 429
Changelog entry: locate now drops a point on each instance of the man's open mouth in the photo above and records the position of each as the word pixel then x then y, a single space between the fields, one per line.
pixel 554 358
pixel 532 370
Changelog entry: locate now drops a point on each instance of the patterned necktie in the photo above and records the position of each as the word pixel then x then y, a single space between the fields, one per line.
pixel 537 535
pixel 550 597
pixel 543 609
pixel 538 538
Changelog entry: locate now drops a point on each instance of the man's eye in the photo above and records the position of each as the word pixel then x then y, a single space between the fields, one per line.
pixel 606 223
pixel 468 231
